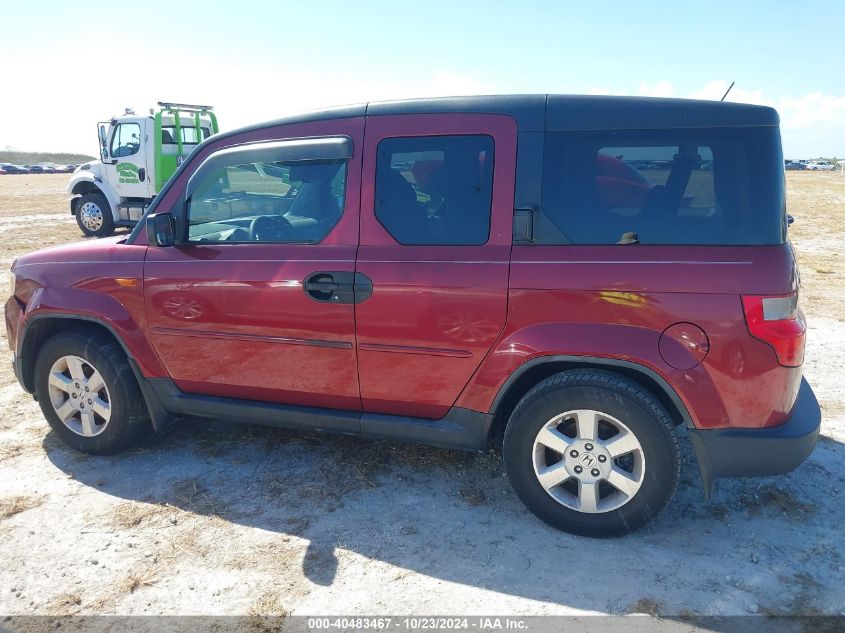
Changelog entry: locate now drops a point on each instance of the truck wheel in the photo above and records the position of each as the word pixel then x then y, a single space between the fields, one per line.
pixel 592 453
pixel 89 395
pixel 93 215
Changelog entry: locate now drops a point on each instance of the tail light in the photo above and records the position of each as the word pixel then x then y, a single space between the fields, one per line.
pixel 776 320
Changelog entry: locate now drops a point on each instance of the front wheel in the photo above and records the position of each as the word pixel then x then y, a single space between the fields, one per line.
pixel 592 453
pixel 89 394
pixel 93 215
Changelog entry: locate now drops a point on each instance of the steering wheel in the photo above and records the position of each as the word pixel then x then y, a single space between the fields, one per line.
pixel 270 228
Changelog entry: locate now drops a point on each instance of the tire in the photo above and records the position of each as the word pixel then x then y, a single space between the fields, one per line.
pixel 93 215
pixel 91 427
pixel 557 407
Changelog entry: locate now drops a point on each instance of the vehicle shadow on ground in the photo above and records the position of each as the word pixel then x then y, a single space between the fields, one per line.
pixel 760 546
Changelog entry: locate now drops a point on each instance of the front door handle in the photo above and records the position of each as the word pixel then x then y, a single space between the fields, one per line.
pixel 324 285
pixel 338 287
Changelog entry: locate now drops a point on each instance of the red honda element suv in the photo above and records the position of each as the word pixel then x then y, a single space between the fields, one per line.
pixel 586 277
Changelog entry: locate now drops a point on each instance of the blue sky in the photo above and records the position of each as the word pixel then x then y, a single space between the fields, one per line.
pixel 70 64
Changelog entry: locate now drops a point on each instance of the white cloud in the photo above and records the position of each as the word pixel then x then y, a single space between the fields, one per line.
pixel 660 89
pixel 811 125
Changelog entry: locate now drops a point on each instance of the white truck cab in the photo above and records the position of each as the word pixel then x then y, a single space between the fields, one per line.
pixel 137 156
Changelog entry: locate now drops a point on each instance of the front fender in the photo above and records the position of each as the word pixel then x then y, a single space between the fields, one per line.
pixel 103 311
pixel 82 177
pixel 96 307
pixel 83 181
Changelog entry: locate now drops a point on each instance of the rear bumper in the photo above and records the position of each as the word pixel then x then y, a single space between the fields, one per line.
pixel 759 452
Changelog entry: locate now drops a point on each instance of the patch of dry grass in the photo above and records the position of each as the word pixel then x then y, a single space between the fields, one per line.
pixel 776 500
pixel 473 495
pixel 189 540
pixel 267 614
pixel 192 496
pixel 647 606
pixel 269 603
pixel 65 604
pixel 10 451
pixel 277 556
pixel 128 584
pixel 688 615
pixel 136 579
pixel 350 464
pixel 130 515
pixel 11 506
pixel 803 606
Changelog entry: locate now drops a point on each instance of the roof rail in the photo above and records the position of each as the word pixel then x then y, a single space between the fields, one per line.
pixel 184 106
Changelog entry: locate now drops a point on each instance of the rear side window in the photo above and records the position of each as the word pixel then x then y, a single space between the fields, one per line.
pixel 710 186
pixel 435 190
pixel 189 135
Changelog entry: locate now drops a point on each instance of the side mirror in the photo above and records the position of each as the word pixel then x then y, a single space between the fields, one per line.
pixel 104 145
pixel 160 230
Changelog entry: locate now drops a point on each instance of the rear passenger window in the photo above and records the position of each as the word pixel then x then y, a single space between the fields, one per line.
pixel 664 187
pixel 435 190
pixel 189 135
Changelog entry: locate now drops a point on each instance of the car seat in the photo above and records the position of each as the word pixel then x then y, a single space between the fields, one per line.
pixel 398 210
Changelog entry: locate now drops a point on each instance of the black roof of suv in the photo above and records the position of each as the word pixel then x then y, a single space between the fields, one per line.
pixel 562 112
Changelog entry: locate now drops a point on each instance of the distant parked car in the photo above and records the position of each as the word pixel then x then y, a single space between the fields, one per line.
pixel 9 168
pixel 69 169
pixel 821 165
pixel 40 169
pixel 795 166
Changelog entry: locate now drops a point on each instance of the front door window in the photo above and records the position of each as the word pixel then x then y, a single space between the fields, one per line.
pixel 282 202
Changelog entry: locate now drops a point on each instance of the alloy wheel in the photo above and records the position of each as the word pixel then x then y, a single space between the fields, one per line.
pixel 588 461
pixel 79 396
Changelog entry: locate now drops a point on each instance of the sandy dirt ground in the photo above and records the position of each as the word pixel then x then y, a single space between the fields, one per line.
pixel 218 518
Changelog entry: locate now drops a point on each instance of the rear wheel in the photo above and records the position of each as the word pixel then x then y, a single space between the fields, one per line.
pixel 592 453
pixel 93 215
pixel 88 393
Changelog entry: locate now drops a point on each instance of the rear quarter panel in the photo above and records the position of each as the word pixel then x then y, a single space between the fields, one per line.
pixel 614 302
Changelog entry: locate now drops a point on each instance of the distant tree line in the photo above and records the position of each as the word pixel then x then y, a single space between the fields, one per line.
pixel 34 158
